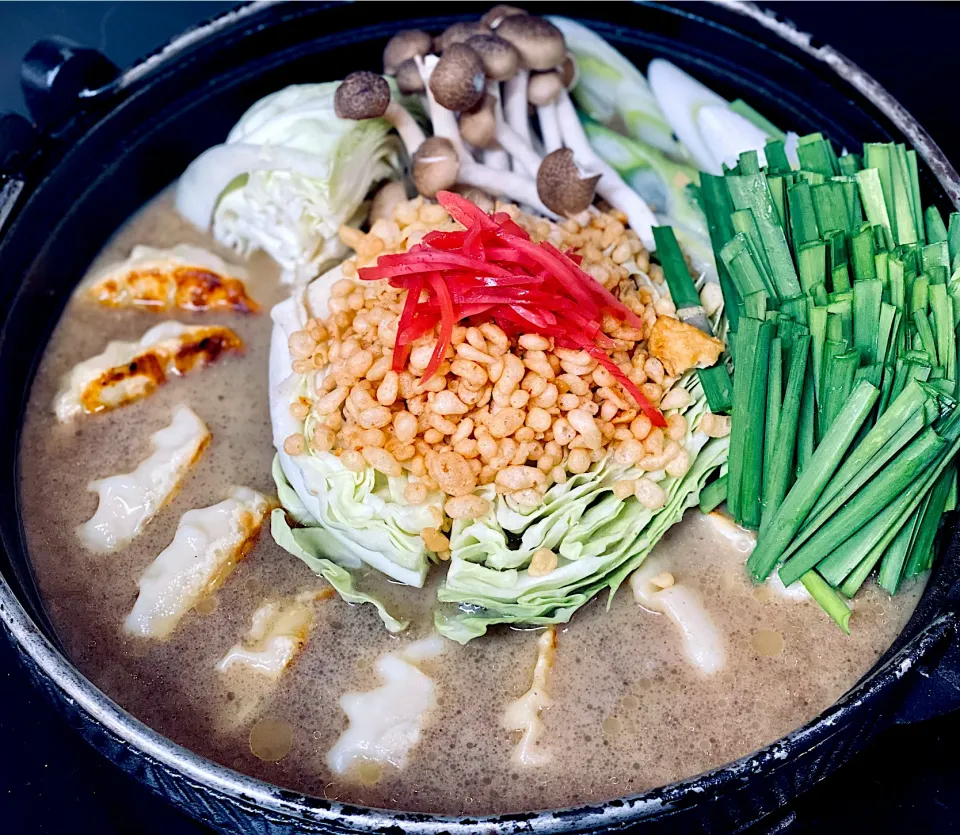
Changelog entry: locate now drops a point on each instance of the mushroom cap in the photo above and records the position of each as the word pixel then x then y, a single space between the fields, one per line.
pixel 544 87
pixel 409 79
pixel 435 166
pixel 561 184
pixel 479 125
pixel 362 95
pixel 500 58
pixel 569 71
pixel 404 45
pixel 499 12
pixel 458 81
pixel 459 33
pixel 538 41
pixel 476 196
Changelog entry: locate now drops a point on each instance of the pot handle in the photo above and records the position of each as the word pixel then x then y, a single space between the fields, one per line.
pixel 60 78
pixel 934 688
pixel 19 140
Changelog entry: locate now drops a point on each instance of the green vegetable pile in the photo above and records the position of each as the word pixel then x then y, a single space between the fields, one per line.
pixel 843 300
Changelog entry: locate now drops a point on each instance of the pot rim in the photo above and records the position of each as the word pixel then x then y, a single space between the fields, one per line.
pixel 237 788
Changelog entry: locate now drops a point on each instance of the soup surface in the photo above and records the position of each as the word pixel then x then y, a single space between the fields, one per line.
pixel 629 712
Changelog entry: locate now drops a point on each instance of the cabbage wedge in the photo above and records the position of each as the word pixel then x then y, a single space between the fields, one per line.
pixel 334 519
pixel 598 538
pixel 289 175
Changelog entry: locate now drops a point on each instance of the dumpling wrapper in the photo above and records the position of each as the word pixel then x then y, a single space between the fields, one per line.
pixel 129 371
pixel 183 277
pixel 523 714
pixel 386 723
pixel 703 644
pixel 207 546
pixel 130 500
pixel 278 631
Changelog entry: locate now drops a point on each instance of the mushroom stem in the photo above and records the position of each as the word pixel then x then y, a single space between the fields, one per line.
pixel 508 184
pixel 521 150
pixel 406 126
pixel 496 158
pixel 549 127
pixel 515 105
pixel 611 187
pixel 444 121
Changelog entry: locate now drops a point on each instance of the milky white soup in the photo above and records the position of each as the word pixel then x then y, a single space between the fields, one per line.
pixel 629 710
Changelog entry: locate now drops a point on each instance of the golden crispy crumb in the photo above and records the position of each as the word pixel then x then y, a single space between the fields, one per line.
pixel 680 346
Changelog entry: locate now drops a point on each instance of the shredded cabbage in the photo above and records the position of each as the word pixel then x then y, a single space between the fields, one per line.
pixel 289 175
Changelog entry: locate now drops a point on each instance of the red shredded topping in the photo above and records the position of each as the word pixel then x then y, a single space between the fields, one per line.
pixel 493 270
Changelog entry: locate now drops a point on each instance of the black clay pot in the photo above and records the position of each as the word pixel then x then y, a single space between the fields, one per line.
pixel 108 141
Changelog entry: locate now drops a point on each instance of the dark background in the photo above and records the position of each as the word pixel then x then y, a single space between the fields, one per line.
pixel 907 781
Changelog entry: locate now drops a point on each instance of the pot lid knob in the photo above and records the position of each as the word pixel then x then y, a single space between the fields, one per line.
pixel 55 74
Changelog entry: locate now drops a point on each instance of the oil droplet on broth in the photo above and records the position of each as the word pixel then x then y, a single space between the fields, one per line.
pixel 369 773
pixel 611 726
pixel 630 702
pixel 763 594
pixel 271 739
pixel 728 581
pixel 767 642
pixel 207 605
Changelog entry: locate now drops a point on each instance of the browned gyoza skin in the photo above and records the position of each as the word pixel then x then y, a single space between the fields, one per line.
pixel 629 713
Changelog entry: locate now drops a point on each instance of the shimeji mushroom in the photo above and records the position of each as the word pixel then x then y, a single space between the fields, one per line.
pixel 458 80
pixel 501 62
pixel 498 13
pixel 444 121
pixel 477 196
pixel 515 105
pixel 539 42
pixel 563 186
pixel 484 128
pixel 459 33
pixel 500 58
pixel 478 126
pixel 494 155
pixel 390 195
pixel 542 92
pixel 541 47
pixel 408 78
pixel 437 166
pixel 403 46
pixel 398 57
pixel 611 187
pixel 366 95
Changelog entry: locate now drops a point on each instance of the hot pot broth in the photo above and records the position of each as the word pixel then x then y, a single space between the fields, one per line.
pixel 629 711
